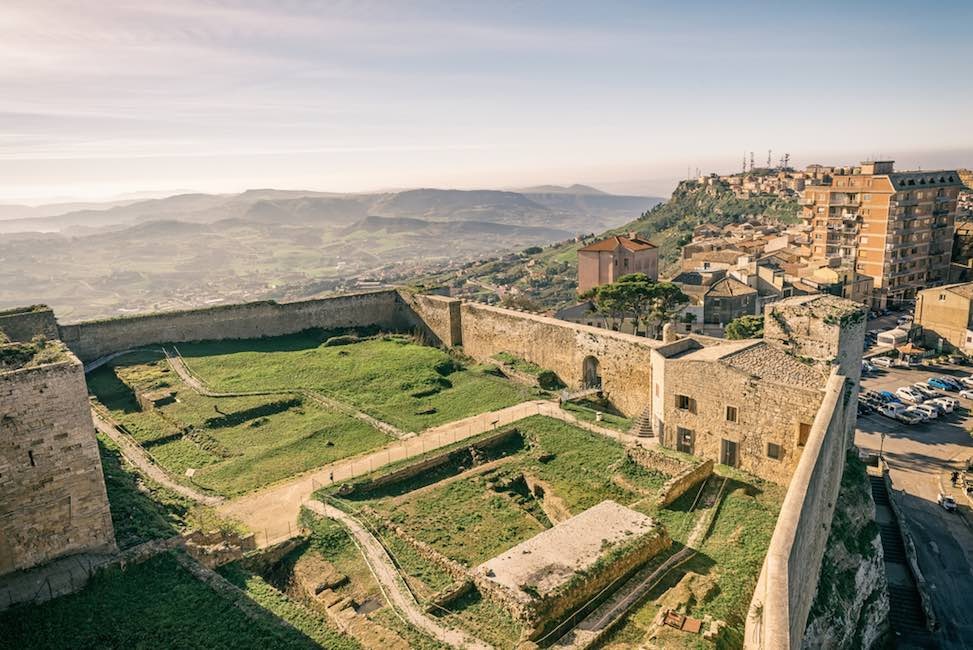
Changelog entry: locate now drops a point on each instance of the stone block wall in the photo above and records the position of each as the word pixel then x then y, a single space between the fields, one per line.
pixel 25 323
pixel 93 339
pixel 623 360
pixel 52 492
pixel 766 413
pixel 439 317
pixel 789 577
pixel 679 484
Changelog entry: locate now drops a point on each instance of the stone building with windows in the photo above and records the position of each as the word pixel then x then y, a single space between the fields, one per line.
pixel 751 404
pixel 945 315
pixel 606 260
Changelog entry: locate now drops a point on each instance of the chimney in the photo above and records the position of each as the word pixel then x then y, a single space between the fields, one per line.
pixel 633 235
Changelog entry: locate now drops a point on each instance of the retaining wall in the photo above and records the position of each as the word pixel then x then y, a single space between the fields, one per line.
pixel 679 484
pixel 788 581
pixel 92 339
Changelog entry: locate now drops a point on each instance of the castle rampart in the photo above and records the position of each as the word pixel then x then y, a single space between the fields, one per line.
pixel 52 493
pixel 92 339
pixel 788 581
pixel 25 323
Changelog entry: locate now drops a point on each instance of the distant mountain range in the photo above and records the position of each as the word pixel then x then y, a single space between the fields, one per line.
pixel 188 249
pixel 575 208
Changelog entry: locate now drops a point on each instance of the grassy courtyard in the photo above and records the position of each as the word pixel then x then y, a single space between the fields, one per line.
pixel 155 604
pixel 234 444
pixel 391 378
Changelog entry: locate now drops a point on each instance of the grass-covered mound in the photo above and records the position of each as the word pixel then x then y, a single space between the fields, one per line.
pixel 394 379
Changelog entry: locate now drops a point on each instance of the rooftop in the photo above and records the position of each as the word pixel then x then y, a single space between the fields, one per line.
pixel 611 243
pixel 772 364
pixel 553 557
pixel 964 289
pixel 819 305
pixel 729 287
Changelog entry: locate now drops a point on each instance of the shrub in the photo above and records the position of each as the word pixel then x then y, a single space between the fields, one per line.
pixel 548 380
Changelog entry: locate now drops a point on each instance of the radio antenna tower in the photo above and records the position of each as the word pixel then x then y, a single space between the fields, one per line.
pixel 744 169
pixel 751 161
pixel 768 159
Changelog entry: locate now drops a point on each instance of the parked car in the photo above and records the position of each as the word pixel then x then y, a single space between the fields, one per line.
pixel 966 394
pixel 954 384
pixel 947 502
pixel 882 362
pixel 936 382
pixel 922 414
pixel 909 417
pixel 889 396
pixel 930 412
pixel 910 395
pixel 927 392
pixel 948 404
pixel 867 368
pixel 891 410
pixel 967 382
pixel 864 408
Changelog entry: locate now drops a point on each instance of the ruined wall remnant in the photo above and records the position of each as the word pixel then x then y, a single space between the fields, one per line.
pixel 24 323
pixel 92 339
pixel 681 483
pixel 785 590
pixel 52 492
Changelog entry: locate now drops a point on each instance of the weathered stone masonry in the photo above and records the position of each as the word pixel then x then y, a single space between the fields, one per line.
pixel 52 492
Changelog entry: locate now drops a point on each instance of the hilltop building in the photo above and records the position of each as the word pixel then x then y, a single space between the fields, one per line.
pixel 896 227
pixel 606 260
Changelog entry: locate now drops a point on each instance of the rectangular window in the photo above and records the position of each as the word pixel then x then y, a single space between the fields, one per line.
pixel 803 433
pixel 773 450
pixel 685 403
pixel 731 414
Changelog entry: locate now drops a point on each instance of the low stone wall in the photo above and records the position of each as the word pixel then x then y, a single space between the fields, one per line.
pixel 788 581
pixel 656 461
pixel 679 484
pixel 433 461
pixel 92 339
pixel 438 317
pixel 26 323
pixel 456 571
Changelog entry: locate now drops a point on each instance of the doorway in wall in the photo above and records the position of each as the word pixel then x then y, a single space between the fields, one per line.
pixel 728 453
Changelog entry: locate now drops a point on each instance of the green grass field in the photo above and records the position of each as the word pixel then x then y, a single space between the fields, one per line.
pixel 155 604
pixel 234 444
pixel 393 379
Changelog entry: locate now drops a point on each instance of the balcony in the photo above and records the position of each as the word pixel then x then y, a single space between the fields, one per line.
pixel 902 203
pixel 844 199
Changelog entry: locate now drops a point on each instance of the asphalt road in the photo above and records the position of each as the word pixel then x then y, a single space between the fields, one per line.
pixel 920 460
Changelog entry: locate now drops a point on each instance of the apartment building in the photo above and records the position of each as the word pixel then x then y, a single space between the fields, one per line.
pixel 896 227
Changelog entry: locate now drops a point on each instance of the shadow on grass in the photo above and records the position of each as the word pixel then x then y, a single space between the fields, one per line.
pixel 239 417
pixel 304 340
pixel 111 391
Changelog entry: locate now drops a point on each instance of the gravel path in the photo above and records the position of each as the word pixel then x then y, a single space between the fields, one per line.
pixel 391 583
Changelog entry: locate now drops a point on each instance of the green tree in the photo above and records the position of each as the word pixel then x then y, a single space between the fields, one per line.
pixel 667 301
pixel 745 327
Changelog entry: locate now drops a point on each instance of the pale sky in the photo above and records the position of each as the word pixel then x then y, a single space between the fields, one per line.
pixel 104 97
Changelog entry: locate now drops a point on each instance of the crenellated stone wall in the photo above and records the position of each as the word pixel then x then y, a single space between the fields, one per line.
pixel 93 339
pixel 52 493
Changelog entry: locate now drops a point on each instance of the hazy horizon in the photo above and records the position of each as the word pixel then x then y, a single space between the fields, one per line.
pixel 121 96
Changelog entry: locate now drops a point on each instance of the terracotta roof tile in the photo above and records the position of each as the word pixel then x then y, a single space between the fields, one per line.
pixel 613 242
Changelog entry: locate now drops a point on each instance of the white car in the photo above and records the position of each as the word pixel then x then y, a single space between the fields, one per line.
pixel 947 502
pixel 891 409
pixel 882 362
pixel 909 416
pixel 966 394
pixel 910 394
pixel 966 381
pixel 926 392
pixel 930 412
pixel 949 404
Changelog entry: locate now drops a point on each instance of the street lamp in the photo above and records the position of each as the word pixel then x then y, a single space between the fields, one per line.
pixel 881 446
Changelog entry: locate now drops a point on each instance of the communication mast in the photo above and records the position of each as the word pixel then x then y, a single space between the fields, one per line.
pixel 768 159
pixel 744 168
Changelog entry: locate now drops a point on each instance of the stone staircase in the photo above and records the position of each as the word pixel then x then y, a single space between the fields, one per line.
pixel 642 426
pixel 906 615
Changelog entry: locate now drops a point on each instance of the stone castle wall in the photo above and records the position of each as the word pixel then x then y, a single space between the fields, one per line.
pixel 788 581
pixel 766 413
pixel 623 359
pixel 24 324
pixel 52 493
pixel 92 339
pixel 439 317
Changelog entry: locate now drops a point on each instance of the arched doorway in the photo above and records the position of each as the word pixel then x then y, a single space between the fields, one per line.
pixel 590 373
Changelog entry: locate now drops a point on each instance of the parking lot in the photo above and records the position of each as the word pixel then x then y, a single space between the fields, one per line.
pixel 921 458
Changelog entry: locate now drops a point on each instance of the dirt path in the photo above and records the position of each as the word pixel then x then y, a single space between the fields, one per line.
pixel 135 454
pixel 391 583
pixel 270 513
